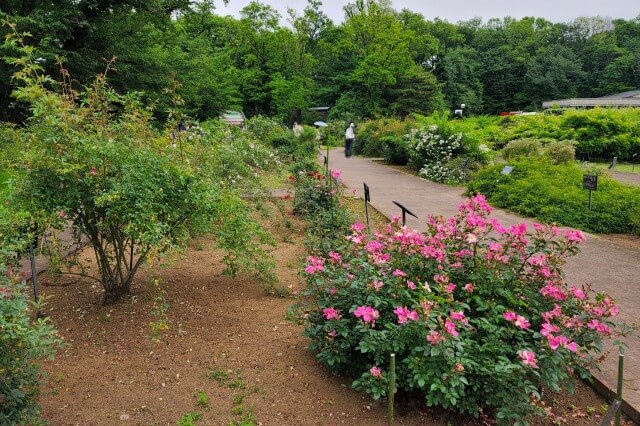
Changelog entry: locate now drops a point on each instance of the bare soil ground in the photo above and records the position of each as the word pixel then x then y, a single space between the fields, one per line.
pixel 227 342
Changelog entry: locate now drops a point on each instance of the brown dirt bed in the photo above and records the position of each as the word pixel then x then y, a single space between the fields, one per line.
pixel 113 373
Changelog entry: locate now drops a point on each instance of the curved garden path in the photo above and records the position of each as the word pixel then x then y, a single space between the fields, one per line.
pixel 607 265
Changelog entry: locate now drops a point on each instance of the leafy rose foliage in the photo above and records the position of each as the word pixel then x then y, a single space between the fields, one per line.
pixel 23 343
pixel 431 154
pixel 479 316
pixel 94 160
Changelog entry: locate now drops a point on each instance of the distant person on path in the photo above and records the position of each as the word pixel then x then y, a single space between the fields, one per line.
pixel 349 137
pixel 297 129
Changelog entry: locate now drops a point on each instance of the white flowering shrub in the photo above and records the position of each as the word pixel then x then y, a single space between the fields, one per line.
pixel 431 153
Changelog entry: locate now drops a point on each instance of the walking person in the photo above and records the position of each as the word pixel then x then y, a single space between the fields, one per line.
pixel 349 138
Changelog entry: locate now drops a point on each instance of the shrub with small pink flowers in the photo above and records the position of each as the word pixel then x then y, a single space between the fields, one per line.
pixel 479 316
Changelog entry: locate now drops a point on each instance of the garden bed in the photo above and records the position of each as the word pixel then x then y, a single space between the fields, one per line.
pixel 227 340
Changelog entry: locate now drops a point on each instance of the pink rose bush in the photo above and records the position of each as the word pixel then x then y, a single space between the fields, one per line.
pixel 479 315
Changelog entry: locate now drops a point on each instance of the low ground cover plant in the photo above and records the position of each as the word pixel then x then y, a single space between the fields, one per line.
pixel 23 343
pixel 553 193
pixel 479 316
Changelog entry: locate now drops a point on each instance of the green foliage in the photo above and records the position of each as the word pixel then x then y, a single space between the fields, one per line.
pixel 478 316
pixel 134 192
pixel 24 342
pixel 522 148
pixel 189 419
pixel 431 153
pixel 599 133
pixel 370 134
pixel 561 152
pixel 396 149
pixel 553 193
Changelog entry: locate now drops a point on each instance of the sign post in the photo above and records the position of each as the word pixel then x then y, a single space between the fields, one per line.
pixel 404 212
pixel 367 200
pixel 590 182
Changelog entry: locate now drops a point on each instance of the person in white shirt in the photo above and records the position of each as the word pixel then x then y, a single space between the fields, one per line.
pixel 349 138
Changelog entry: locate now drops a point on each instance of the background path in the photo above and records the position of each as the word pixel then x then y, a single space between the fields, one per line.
pixel 607 265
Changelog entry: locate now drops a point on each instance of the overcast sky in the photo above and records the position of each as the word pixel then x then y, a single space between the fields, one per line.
pixel 461 10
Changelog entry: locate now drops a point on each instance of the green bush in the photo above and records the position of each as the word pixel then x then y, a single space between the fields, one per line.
pixel 561 152
pixel 131 191
pixel 522 148
pixel 22 343
pixel 553 193
pixel 396 149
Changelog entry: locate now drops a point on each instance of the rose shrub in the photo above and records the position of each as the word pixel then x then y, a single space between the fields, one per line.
pixel 479 316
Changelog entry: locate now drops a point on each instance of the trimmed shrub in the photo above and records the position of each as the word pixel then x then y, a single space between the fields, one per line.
pixel 521 148
pixel 561 152
pixel 553 194
pixel 396 150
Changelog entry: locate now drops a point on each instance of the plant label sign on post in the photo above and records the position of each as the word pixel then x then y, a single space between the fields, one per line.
pixel 367 200
pixel 590 182
pixel 404 212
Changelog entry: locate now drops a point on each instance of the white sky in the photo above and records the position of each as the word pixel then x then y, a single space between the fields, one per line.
pixel 461 10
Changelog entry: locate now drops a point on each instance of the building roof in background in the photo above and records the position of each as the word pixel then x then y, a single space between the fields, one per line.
pixel 627 99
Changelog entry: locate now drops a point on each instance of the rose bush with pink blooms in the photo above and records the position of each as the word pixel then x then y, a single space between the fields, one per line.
pixel 478 315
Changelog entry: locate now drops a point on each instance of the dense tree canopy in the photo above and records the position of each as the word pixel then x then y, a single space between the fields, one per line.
pixel 378 61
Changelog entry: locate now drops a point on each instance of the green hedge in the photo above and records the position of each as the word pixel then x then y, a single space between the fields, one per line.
pixel 553 193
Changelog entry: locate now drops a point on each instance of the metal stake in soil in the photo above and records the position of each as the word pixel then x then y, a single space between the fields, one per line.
pixel 34 276
pixel 619 397
pixel 392 388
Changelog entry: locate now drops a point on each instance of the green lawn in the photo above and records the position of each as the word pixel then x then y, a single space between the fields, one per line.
pixel 620 167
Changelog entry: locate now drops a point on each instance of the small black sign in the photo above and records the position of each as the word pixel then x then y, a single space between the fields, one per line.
pixel 326 160
pixel 590 182
pixel 367 197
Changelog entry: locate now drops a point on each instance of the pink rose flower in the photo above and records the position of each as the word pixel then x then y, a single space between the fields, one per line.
pixel 405 314
pixel 375 372
pixel 331 313
pixel 450 328
pixel 367 313
pixel 528 358
pixel 510 316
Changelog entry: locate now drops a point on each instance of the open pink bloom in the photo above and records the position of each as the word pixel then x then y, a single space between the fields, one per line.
pixel 358 227
pixel 547 329
pixel 94 171
pixel 528 358
pixel 450 288
pixel 332 333
pixel 450 328
pixel 522 322
pixel 411 285
pixel 405 314
pixel 577 293
pixel 573 347
pixel 375 372
pixel 576 236
pixel 599 327
pixel 614 310
pixel 456 316
pixel 334 257
pixel 469 288
pixel 315 264
pixel 336 174
pixel 434 337
pixel 399 273
pixel 471 238
pixel 510 316
pixel 377 285
pixel 62 215
pixel 333 291
pixel 367 313
pixel 331 313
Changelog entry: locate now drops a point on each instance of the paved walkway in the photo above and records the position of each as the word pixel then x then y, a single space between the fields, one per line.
pixel 606 265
